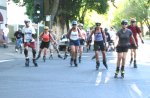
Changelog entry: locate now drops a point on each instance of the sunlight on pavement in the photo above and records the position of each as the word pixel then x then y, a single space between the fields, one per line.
pixel 107 78
pixel 1 61
pixel 137 90
pixel 98 79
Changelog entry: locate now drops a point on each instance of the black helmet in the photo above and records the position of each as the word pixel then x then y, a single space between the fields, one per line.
pixel 124 22
pixel 97 23
pixel 105 29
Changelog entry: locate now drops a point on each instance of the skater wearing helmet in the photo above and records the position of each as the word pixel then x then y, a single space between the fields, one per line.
pixel 29 41
pixel 74 35
pixel 46 37
pixel 82 41
pixel 135 30
pixel 99 44
pixel 123 38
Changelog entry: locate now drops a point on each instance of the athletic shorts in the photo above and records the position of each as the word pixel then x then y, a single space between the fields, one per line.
pixel 82 42
pixel 132 46
pixel 75 42
pixel 120 49
pixel 29 44
pixel 99 45
pixel 44 45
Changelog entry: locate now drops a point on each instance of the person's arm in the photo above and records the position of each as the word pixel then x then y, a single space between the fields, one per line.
pixel 140 34
pixel 116 39
pixel 85 35
pixel 80 34
pixel 52 39
pixel 133 40
pixel 91 35
pixel 104 36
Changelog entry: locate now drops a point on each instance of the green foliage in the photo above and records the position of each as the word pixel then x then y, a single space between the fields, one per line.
pixel 138 9
pixel 29 6
pixel 72 9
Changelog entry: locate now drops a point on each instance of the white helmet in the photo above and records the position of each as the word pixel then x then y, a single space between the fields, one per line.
pixel 74 22
pixel 27 20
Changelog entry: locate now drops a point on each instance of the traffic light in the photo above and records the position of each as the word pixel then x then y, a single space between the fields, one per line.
pixel 38 11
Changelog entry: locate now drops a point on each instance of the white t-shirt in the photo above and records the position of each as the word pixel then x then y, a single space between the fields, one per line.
pixel 28 31
pixel 6 31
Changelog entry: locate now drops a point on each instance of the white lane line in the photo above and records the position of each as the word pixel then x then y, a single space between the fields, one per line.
pixel 98 79
pixel 1 61
pixel 107 78
pixel 137 90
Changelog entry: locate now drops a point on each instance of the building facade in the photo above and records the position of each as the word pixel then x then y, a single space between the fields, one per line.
pixel 3 13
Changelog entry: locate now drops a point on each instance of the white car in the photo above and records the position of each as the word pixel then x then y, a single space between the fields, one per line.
pixel 64 41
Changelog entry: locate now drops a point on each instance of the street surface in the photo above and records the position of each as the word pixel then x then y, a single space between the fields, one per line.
pixel 56 79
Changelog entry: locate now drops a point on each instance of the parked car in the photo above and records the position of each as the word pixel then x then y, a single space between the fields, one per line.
pixel 64 41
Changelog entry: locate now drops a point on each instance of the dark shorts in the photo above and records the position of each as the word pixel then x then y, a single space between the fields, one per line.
pixel 29 44
pixel 120 49
pixel 99 45
pixel 89 42
pixel 44 45
pixel 111 42
pixel 82 41
pixel 132 46
pixel 74 42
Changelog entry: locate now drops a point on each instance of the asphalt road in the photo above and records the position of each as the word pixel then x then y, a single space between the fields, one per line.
pixel 56 79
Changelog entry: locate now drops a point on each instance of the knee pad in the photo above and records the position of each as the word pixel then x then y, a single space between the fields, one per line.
pixel 26 52
pixel 33 51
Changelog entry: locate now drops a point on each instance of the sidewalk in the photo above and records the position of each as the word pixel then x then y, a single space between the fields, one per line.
pixel 9 53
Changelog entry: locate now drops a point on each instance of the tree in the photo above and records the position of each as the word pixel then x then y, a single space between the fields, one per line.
pixel 68 10
pixel 139 9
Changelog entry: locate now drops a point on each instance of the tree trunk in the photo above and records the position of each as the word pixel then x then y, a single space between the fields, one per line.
pixel 83 15
pixel 54 11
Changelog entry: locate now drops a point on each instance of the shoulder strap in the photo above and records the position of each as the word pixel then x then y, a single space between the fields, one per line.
pixel 78 30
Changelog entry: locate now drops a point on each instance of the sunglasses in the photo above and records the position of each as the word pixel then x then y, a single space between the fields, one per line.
pixel 74 24
pixel 133 21
pixel 97 24
pixel 124 24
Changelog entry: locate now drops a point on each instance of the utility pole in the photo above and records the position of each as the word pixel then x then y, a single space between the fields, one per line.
pixel 38 37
